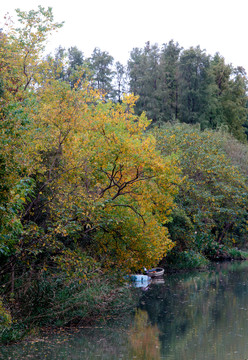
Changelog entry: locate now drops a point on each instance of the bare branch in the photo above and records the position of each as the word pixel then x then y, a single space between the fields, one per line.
pixel 132 208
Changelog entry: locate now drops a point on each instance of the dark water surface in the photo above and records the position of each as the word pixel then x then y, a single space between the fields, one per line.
pixel 193 316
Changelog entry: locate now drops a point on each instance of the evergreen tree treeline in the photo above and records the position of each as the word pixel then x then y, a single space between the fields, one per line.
pixel 190 86
pixel 172 83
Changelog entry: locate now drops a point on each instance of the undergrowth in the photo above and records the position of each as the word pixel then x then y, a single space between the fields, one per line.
pixel 57 302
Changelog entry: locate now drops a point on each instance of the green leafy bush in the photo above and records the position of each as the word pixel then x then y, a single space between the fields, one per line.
pixel 213 195
pixel 185 260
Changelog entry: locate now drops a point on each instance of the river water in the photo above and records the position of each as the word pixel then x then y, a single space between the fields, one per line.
pixel 190 316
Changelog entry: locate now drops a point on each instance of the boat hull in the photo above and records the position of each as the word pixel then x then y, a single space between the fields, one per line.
pixel 156 272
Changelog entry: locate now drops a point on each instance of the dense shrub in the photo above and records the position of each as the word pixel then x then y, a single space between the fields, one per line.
pixel 213 196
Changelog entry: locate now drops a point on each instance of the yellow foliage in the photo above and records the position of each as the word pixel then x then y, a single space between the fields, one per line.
pixel 96 170
pixel 102 162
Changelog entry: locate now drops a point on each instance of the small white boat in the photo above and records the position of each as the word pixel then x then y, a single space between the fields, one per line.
pixel 156 272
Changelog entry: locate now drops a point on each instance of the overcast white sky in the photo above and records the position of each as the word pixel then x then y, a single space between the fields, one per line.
pixel 117 26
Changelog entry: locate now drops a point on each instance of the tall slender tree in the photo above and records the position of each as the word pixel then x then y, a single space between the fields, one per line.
pixel 194 90
pixel 168 87
pixel 120 81
pixel 144 79
pixel 75 63
pixel 231 94
pixel 102 73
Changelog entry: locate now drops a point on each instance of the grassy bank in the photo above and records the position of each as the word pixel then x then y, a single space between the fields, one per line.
pixel 190 259
pixel 47 300
pixel 58 302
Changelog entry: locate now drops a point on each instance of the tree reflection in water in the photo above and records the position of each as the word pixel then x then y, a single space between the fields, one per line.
pixel 202 316
pixel 144 338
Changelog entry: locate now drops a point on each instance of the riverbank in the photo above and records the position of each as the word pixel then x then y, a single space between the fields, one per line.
pixel 175 319
pixel 58 304
pixel 190 259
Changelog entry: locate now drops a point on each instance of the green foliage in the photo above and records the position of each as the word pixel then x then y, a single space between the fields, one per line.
pixel 237 152
pixel 219 252
pixel 231 96
pixel 181 229
pixel 59 300
pixel 16 332
pixel 5 317
pixel 168 84
pixel 195 98
pixel 100 64
pixel 188 259
pixel 11 227
pixel 190 86
pixel 213 194
pixel 120 80
pixel 144 81
pixel 237 254
pixel 68 65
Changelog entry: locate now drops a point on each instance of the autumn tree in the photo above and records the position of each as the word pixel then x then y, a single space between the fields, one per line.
pixel 100 180
pixel 83 187
pixel 86 176
pixel 21 72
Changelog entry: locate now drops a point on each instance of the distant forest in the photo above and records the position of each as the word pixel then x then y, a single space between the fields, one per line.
pixel 187 85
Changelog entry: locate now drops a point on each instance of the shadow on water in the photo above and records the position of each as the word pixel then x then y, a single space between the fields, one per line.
pixel 190 316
